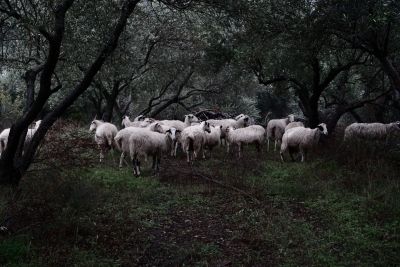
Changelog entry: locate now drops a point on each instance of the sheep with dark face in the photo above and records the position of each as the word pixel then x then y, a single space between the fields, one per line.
pixel 241 122
pixel 276 129
pixel 104 135
pixel 160 128
pixel 301 139
pixel 371 131
pixel 148 143
pixel 193 139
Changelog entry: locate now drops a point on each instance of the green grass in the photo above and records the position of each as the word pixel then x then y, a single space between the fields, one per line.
pixel 322 213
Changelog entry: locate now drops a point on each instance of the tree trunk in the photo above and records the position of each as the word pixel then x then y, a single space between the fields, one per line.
pixel 12 168
pixel 391 71
pixel 110 101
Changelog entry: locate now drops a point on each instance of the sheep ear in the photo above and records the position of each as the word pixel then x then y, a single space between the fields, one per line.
pixel 168 131
pixel 177 131
pixel 246 119
pixel 320 128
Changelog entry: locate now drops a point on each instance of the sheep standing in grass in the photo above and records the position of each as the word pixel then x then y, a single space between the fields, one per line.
pixel 301 139
pixel 254 134
pixel 293 125
pixel 148 143
pixel 276 129
pixel 104 135
pixel 121 140
pixel 213 139
pixel 193 139
pixel 6 132
pixel 371 131
pixel 242 121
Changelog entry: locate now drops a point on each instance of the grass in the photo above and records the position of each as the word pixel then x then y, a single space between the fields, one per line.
pixel 323 213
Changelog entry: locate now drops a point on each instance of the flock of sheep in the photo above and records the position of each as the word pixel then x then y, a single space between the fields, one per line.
pixel 146 137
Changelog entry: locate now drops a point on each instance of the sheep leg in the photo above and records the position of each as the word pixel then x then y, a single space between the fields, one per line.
pixel 134 166
pixel 267 144
pixel 137 167
pixel 188 156
pixel 303 155
pixel 282 158
pixel 239 149
pixel 121 159
pixel 275 144
pixel 101 155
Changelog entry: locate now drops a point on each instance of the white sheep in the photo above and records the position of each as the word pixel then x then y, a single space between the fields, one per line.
pixel 371 131
pixel 242 121
pixel 276 129
pixel 4 139
pixel 293 125
pixel 148 143
pixel 6 132
pixel 301 139
pixel 254 134
pixel 122 141
pixel 213 139
pixel 193 139
pixel 160 128
pixel 104 135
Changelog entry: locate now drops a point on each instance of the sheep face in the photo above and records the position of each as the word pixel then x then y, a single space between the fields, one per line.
pixel 246 120
pixel 125 120
pixel 93 126
pixel 173 133
pixel 398 125
pixel 140 118
pixel 206 126
pixel 291 118
pixel 191 118
pixel 322 128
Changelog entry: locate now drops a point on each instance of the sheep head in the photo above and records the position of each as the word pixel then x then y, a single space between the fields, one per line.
pixel 172 133
pixel 291 118
pixel 125 120
pixel 191 118
pixel 206 126
pixel 93 125
pixel 322 128
pixel 139 118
